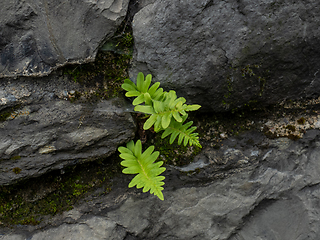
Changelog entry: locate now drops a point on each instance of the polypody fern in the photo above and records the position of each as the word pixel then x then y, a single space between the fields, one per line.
pixel 166 112
pixel 143 164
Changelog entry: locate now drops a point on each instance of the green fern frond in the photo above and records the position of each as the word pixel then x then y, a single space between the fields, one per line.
pixel 143 164
pixel 162 112
pixel 184 132
pixel 166 112
pixel 141 91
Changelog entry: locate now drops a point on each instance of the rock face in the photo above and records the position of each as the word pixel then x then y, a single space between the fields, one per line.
pixel 46 131
pixel 251 188
pixel 225 54
pixel 36 37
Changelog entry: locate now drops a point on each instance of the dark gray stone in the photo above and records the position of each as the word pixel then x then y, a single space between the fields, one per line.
pixel 37 37
pixel 260 193
pixel 47 131
pixel 225 54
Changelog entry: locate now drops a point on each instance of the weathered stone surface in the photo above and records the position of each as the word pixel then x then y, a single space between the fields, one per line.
pixel 264 189
pixel 36 37
pixel 224 54
pixel 47 131
pixel 93 228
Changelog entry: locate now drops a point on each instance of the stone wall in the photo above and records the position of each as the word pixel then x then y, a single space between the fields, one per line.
pixel 268 189
pixel 44 130
pixel 40 36
pixel 226 54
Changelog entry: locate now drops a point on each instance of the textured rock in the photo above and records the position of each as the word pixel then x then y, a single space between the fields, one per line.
pixel 36 37
pixel 265 189
pixel 48 132
pixel 94 228
pixel 224 54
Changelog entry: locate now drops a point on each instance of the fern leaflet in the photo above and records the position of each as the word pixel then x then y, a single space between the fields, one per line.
pixel 162 112
pixel 141 91
pixel 185 132
pixel 166 112
pixel 143 164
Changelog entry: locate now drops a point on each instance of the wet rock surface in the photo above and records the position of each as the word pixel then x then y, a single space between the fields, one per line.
pixel 251 188
pixel 225 54
pixel 44 130
pixel 39 36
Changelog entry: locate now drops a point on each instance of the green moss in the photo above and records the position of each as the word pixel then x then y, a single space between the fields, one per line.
pixel 110 68
pixel 15 158
pixel 5 113
pixel 74 97
pixel 301 121
pixel 252 71
pixel 293 137
pixel 291 128
pixel 174 154
pixel 16 170
pixel 29 201
pixel 253 74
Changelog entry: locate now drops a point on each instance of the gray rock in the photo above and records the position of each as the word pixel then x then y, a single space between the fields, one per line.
pixel 36 37
pixel 274 195
pixel 13 237
pixel 94 228
pixel 49 132
pixel 225 54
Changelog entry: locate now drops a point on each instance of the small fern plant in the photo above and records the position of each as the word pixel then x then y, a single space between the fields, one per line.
pixel 166 112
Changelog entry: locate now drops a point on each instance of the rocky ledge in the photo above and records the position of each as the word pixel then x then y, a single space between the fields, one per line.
pixel 44 128
pixel 250 187
pixel 38 37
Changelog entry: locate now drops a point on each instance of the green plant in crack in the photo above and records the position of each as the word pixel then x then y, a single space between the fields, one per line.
pixel 165 112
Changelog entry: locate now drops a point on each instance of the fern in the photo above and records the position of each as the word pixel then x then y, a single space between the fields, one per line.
pixel 143 164
pixel 141 91
pixel 162 106
pixel 166 112
pixel 162 112
pixel 185 133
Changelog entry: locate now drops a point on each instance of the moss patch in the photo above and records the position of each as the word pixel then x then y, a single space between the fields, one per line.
pixel 214 128
pixel 16 170
pixel 7 112
pixel 173 154
pixel 28 202
pixel 15 158
pixel 106 74
pixel 301 121
pixel 4 115
pixel 291 128
pixel 255 77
